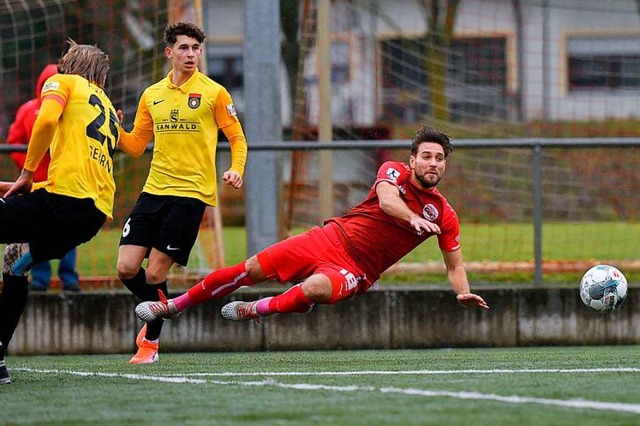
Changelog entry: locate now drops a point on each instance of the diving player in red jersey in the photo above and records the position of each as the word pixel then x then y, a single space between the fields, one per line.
pixel 346 256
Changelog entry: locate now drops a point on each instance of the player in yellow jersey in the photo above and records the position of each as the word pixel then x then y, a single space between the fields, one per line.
pixel 182 113
pixel 73 204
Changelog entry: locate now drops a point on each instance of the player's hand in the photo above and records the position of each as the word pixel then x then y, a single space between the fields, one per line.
pixel 232 178
pixel 4 187
pixel 120 115
pixel 420 224
pixel 470 299
pixel 22 185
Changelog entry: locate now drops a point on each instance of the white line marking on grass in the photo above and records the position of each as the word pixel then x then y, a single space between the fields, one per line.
pixel 513 399
pixel 172 379
pixel 418 372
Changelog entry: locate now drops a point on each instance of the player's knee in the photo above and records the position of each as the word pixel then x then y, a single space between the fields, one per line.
pixel 254 270
pixel 317 291
pixel 127 270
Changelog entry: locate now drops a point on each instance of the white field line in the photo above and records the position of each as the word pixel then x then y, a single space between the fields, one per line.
pixel 416 372
pixel 513 399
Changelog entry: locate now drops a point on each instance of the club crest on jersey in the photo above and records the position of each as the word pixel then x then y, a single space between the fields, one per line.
pixel 393 174
pixel 430 212
pixel 194 100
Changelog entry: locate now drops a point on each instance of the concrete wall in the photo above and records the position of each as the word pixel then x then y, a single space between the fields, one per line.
pixel 387 319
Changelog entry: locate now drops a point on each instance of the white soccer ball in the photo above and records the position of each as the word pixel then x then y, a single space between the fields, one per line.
pixel 603 288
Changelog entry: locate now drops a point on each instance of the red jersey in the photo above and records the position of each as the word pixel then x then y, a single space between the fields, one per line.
pixel 376 240
pixel 20 130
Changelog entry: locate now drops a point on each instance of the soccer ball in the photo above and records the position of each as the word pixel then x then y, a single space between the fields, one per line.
pixel 603 288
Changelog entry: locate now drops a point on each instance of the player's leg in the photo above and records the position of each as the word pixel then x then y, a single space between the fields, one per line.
pixel 214 286
pixel 17 261
pixel 329 284
pixel 311 257
pixel 133 276
pixel 178 225
pixel 300 298
pixel 156 279
pixel 294 300
pixel 67 271
pixel 19 215
pixel 129 268
pixel 293 257
pixel 223 282
pixel 136 241
pixel 41 276
pixel 54 225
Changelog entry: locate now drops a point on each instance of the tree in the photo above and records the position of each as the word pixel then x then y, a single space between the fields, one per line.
pixel 290 23
pixel 440 16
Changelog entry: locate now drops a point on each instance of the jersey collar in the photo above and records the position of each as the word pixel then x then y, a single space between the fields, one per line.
pixel 186 86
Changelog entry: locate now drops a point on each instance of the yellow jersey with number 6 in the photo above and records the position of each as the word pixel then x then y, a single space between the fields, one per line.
pixel 84 142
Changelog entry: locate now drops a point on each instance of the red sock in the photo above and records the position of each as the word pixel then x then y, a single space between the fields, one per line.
pixel 220 283
pixel 292 300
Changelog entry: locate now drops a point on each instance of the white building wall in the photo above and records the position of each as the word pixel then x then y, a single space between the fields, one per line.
pixel 224 20
pixel 356 101
pixel 589 17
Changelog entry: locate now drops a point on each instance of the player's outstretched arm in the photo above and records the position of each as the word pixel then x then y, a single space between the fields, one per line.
pixel 135 142
pixel 470 299
pixel 391 203
pixel 457 275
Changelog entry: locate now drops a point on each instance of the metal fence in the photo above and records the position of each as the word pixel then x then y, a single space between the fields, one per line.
pixel 541 204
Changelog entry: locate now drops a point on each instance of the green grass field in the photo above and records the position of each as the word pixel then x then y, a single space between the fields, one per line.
pixel 481 242
pixel 519 386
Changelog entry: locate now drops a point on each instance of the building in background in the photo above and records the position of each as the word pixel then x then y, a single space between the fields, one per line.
pixel 554 60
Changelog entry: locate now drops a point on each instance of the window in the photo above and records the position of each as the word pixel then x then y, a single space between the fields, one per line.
pixel 225 65
pixel 603 63
pixel 479 61
pixel 227 71
pixel 476 78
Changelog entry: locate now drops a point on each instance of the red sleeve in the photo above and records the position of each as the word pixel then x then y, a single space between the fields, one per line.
pixel 449 238
pixel 18 136
pixel 393 172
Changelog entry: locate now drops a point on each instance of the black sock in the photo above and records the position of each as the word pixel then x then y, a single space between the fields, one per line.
pixel 137 285
pixel 12 303
pixel 154 328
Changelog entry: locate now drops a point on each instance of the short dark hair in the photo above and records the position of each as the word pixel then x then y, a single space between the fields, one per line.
pixel 429 134
pixel 172 31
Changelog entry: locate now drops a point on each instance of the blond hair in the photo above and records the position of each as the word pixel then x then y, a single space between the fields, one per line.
pixel 86 61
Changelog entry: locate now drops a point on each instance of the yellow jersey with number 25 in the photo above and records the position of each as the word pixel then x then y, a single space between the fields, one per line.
pixel 84 142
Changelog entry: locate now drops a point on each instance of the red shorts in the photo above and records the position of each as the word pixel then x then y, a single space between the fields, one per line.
pixel 317 251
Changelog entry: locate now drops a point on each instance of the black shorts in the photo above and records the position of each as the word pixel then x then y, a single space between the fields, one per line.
pixel 52 224
pixel 167 223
